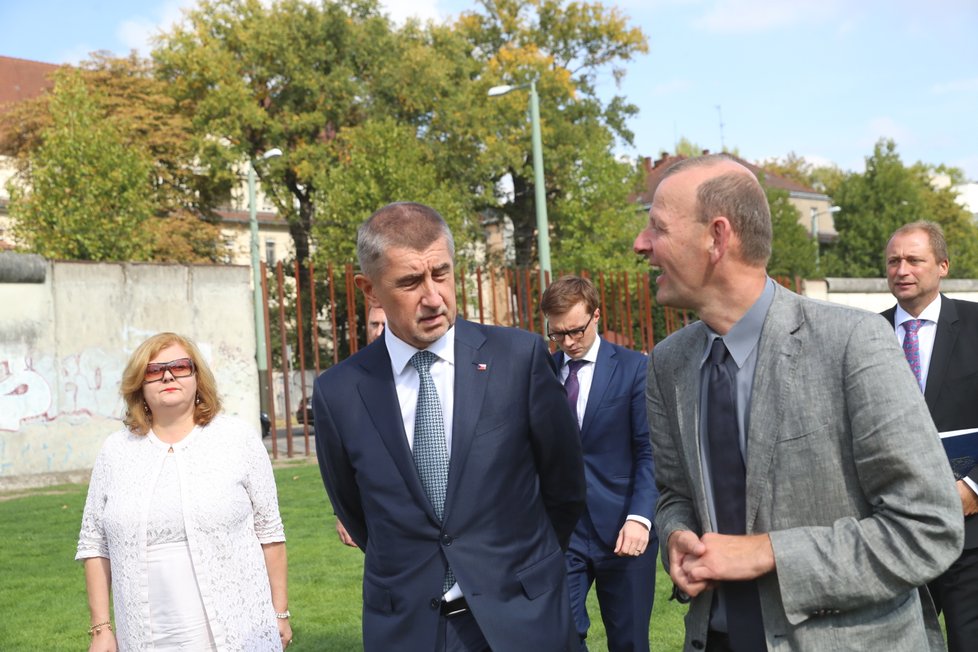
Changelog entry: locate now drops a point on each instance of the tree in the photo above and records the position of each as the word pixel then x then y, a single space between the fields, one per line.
pixel 85 193
pixel 792 250
pixel 689 149
pixel 822 178
pixel 598 224
pixel 382 161
pixel 125 92
pixel 883 198
pixel 565 47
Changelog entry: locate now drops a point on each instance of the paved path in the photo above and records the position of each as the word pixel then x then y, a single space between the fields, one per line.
pixel 298 443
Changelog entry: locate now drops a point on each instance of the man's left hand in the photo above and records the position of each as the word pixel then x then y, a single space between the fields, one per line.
pixel 633 538
pixel 731 558
pixel 969 501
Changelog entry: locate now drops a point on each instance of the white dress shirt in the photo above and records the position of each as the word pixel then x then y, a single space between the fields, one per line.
pixel 585 374
pixel 407 382
pixel 925 336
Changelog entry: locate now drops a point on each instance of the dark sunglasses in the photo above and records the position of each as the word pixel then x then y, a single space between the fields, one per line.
pixel 574 333
pixel 180 368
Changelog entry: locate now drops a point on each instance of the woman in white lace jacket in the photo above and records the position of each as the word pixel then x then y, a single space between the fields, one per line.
pixel 182 518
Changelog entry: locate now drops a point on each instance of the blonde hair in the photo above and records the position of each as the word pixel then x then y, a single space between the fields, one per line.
pixel 138 419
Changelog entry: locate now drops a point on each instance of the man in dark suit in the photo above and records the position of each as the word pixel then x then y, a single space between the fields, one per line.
pixel 613 545
pixel 801 503
pixel 940 339
pixel 449 452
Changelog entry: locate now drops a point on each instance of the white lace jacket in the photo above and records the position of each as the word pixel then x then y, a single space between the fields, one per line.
pixel 230 508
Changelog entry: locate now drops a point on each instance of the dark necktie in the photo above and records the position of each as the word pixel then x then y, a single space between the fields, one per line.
pixel 911 347
pixel 572 385
pixel 729 477
pixel 430 451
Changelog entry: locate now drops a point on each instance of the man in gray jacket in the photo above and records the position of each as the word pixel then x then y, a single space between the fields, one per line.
pixel 795 457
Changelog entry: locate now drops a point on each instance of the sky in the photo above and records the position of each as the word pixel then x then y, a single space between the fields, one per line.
pixel 824 79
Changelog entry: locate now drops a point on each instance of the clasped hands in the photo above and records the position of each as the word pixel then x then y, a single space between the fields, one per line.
pixel 698 563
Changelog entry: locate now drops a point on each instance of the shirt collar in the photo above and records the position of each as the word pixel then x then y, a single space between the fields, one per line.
pixel 931 313
pixel 401 352
pixel 591 355
pixel 743 336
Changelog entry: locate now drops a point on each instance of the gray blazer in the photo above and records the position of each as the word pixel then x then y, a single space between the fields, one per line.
pixel 838 473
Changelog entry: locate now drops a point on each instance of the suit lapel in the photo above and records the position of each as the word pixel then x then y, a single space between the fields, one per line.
pixel 379 397
pixel 473 369
pixel 687 374
pixel 777 358
pixel 948 328
pixel 604 369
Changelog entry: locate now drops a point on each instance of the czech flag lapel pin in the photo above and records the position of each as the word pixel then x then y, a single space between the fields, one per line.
pixel 481 366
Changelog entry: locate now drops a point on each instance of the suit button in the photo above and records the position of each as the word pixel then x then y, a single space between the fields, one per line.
pixel 698 645
pixel 447 539
pixel 435 603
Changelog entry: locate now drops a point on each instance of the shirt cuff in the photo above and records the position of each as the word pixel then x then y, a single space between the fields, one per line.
pixel 640 519
pixel 971 483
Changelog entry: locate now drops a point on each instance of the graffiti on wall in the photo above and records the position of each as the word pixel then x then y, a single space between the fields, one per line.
pixel 43 389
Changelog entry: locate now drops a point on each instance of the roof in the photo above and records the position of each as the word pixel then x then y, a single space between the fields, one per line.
pixel 654 171
pixel 21 79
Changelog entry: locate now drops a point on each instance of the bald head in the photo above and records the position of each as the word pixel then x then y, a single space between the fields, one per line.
pixel 726 188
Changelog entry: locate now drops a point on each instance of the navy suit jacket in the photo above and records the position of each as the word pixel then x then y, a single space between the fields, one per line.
pixel 952 379
pixel 515 491
pixel 615 439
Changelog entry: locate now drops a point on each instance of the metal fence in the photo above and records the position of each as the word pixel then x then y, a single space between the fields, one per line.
pixel 313 319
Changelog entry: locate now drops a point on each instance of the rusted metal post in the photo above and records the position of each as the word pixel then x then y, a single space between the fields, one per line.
pixel 280 275
pixel 300 333
pixel 268 356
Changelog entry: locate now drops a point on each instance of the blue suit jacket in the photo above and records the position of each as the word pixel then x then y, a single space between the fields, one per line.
pixel 615 440
pixel 515 491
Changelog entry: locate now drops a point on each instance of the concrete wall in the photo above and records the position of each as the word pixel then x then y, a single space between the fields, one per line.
pixel 64 342
pixel 872 293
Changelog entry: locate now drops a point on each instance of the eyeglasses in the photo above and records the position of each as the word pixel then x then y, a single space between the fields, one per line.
pixel 180 368
pixel 574 333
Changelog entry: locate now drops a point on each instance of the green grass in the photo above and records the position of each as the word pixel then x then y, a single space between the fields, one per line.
pixel 43 597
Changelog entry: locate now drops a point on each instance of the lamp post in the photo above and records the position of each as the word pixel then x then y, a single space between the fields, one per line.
pixel 260 355
pixel 540 190
pixel 815 214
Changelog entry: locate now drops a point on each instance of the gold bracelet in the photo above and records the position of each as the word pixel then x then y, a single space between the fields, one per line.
pixel 97 628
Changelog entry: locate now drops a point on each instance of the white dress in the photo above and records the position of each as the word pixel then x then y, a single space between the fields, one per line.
pixel 177 617
pixel 229 507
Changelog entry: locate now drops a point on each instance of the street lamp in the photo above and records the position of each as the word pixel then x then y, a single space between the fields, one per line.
pixel 815 214
pixel 543 226
pixel 260 355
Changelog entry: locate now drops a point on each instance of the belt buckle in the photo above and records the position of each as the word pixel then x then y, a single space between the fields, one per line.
pixel 454 608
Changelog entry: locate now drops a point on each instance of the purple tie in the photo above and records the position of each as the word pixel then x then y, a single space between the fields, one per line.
pixel 911 347
pixel 573 385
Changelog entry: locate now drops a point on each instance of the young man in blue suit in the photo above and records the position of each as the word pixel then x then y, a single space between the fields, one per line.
pixel 946 361
pixel 449 453
pixel 614 545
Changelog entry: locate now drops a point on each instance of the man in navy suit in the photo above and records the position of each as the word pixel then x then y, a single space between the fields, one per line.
pixel 613 545
pixel 449 452
pixel 946 331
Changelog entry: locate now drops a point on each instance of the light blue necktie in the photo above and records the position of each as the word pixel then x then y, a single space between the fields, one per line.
pixel 430 451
